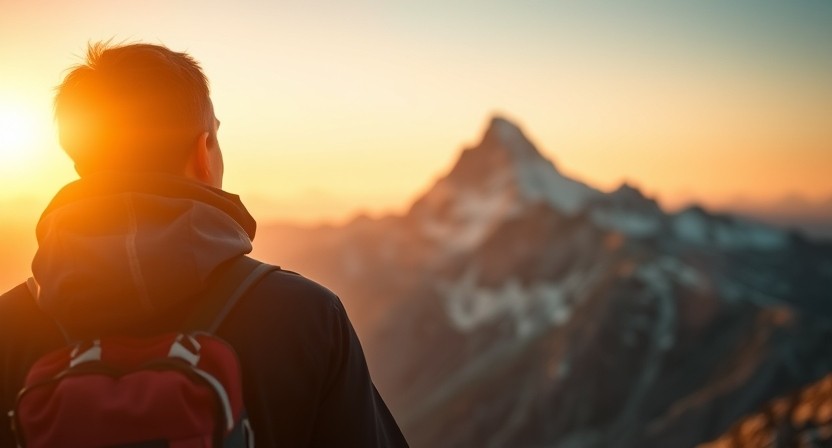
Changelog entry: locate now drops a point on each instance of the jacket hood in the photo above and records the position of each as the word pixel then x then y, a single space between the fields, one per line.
pixel 116 249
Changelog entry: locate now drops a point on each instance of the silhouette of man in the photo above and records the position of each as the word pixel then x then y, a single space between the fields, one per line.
pixel 131 245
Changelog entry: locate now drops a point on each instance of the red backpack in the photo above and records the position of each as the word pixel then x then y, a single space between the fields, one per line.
pixel 176 390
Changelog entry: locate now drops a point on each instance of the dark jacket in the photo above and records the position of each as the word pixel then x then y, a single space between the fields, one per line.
pixel 132 254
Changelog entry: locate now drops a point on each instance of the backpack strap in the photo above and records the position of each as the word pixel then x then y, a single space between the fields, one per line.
pixel 223 292
pixel 34 291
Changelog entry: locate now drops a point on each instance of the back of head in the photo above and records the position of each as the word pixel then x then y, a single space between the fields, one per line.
pixel 136 107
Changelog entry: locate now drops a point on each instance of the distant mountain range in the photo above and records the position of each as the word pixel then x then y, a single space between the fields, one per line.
pixel 512 306
pixel 813 218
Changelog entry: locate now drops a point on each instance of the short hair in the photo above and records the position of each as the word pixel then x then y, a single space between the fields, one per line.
pixel 135 107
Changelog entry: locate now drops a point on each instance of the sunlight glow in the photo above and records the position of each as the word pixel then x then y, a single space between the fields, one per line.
pixel 17 136
pixel 365 106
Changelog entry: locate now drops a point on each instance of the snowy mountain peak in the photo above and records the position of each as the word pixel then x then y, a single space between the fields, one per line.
pixel 513 158
pixel 631 197
pixel 504 135
pixel 627 190
pixel 695 225
pixel 493 181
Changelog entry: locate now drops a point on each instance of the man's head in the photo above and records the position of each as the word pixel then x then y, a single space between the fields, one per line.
pixel 139 107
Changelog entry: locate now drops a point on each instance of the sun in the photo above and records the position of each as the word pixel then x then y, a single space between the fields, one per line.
pixel 17 135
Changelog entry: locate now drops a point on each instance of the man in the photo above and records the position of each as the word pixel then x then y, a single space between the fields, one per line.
pixel 130 247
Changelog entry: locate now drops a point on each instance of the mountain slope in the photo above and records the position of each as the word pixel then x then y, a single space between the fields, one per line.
pixel 513 306
pixel 491 182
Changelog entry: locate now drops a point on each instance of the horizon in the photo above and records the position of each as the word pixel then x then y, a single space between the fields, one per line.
pixel 323 106
pixel 732 204
pixel 279 210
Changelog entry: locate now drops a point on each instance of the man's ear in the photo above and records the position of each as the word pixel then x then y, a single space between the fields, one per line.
pixel 199 164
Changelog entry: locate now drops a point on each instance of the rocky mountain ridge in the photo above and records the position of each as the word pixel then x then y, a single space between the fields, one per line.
pixel 513 306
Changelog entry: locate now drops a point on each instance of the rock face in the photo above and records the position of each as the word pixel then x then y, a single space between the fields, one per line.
pixel 513 306
pixel 801 418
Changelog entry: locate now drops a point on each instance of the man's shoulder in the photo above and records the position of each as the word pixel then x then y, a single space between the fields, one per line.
pixel 285 316
pixel 298 284
pixel 24 327
pixel 14 294
pixel 288 285
pixel 17 307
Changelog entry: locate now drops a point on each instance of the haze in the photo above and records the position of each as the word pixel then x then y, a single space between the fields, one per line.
pixel 335 107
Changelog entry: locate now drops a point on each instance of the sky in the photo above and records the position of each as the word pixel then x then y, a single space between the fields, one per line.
pixel 333 107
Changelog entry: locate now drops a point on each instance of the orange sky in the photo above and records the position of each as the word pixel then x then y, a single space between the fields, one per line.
pixel 336 107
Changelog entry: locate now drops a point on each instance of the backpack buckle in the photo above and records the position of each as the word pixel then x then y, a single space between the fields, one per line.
pixel 185 347
pixel 90 353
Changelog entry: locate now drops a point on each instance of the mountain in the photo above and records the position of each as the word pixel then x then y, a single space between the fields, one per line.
pixel 800 418
pixel 792 212
pixel 514 306
pixel 492 182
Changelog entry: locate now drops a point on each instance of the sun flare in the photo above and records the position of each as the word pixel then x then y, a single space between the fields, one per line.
pixel 17 135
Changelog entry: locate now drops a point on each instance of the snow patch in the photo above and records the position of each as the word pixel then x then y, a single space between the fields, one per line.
pixel 472 217
pixel 663 272
pixel 535 175
pixel 470 214
pixel 630 223
pixel 748 235
pixel 695 227
pixel 684 274
pixel 691 227
pixel 538 305
pixel 539 181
